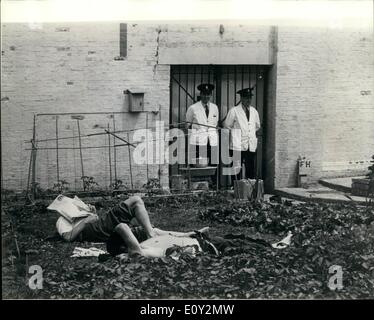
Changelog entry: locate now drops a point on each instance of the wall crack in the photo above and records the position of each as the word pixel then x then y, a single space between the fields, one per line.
pixel 157 50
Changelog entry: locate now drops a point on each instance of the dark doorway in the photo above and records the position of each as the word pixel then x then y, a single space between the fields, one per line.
pixel 227 79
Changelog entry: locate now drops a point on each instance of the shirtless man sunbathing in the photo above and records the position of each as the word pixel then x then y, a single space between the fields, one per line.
pixel 125 224
pixel 161 245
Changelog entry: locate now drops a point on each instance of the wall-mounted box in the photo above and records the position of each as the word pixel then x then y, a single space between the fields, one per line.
pixel 136 100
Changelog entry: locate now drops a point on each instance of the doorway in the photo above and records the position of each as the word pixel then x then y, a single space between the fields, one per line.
pixel 227 79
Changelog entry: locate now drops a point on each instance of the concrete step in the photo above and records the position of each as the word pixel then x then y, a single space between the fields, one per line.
pixel 319 195
pixel 340 184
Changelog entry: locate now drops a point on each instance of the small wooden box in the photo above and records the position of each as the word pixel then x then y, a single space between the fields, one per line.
pixel 136 100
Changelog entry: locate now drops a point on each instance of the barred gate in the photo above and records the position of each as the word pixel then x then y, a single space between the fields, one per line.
pixel 227 79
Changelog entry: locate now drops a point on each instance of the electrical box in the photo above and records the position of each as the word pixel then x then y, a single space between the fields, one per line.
pixel 136 100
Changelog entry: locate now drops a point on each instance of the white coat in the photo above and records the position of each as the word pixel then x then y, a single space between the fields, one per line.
pixel 244 137
pixel 200 135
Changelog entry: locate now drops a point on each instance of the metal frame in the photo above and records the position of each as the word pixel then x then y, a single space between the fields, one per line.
pixel 31 179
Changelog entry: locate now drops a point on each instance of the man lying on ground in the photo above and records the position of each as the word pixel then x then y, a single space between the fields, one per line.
pixel 163 244
pixel 167 243
pixel 100 228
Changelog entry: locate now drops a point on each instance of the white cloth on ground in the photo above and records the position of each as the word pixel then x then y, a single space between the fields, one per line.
pixel 86 252
pixel 284 243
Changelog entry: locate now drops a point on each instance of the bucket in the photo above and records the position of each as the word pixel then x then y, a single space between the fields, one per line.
pixel 177 182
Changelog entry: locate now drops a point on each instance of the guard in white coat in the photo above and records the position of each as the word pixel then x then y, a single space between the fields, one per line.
pixel 202 120
pixel 246 120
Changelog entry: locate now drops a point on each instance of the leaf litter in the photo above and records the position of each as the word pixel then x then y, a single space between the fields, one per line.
pixel 323 235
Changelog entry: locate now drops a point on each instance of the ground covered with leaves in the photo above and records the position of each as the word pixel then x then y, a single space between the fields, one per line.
pixel 323 235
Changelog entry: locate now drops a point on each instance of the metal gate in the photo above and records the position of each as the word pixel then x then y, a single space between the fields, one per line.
pixel 227 79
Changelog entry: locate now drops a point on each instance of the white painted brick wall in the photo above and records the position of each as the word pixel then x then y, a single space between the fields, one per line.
pixel 45 71
pixel 320 110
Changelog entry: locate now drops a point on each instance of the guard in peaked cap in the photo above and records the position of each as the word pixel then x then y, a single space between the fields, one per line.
pixel 205 88
pixel 246 92
pixel 245 118
pixel 202 118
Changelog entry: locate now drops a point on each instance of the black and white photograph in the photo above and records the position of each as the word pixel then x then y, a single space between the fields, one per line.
pixel 206 150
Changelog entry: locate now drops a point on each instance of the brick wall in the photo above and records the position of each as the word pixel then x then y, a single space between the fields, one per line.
pixel 324 101
pixel 72 68
pixel 321 99
pixel 215 43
